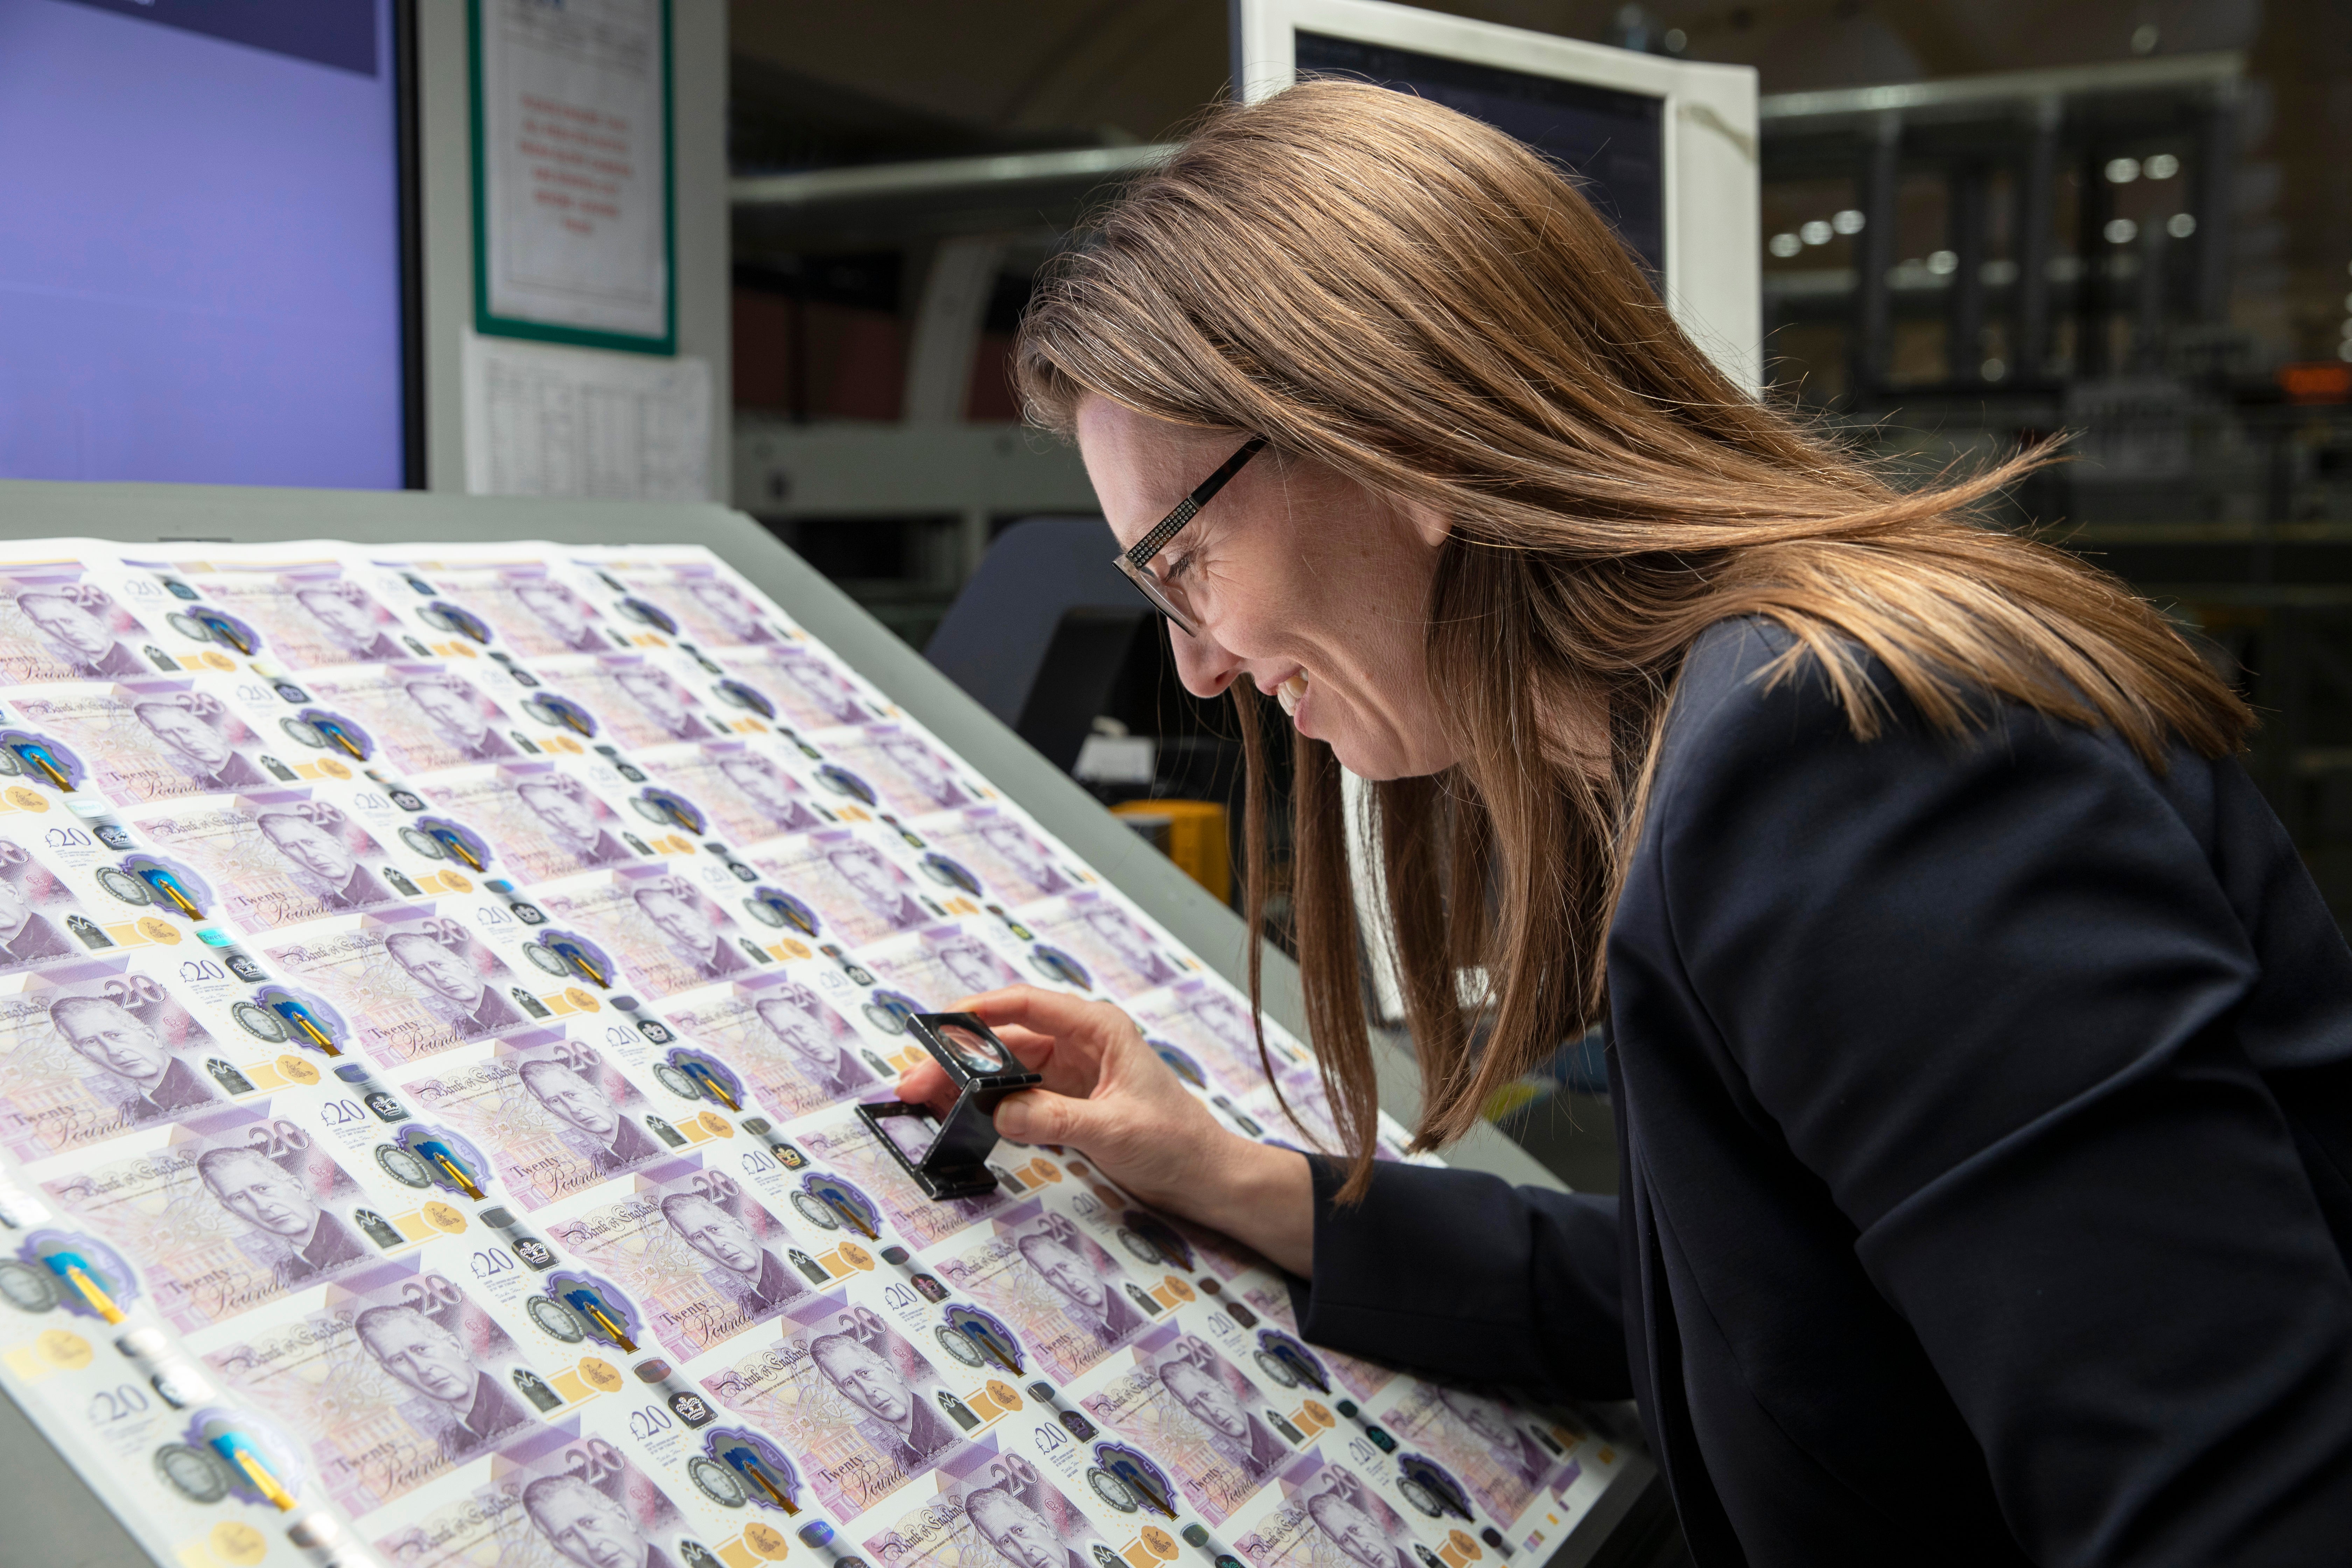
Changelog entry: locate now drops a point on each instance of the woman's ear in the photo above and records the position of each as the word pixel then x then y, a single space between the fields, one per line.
pixel 1430 525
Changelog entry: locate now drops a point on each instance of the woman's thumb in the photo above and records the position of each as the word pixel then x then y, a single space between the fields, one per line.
pixel 1035 1116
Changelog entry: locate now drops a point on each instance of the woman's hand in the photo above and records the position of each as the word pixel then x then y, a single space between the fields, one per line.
pixel 1109 1095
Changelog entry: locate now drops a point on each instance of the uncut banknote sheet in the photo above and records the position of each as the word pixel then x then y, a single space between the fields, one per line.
pixel 435 987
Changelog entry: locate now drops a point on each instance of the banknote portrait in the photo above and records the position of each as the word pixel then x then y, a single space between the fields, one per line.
pixel 702 1255
pixel 557 1115
pixel 1065 1297
pixel 310 615
pixel 424 717
pixel 664 703
pixel 1200 1017
pixel 943 964
pixel 1124 959
pixel 553 618
pixel 237 1210
pixel 195 733
pixel 41 921
pixel 575 826
pixel 1015 864
pixel 463 721
pixel 540 818
pixel 798 1053
pixel 749 794
pixel 409 982
pixel 698 934
pixel 93 1049
pixel 58 624
pixel 858 891
pixel 641 704
pixel 555 1500
pixel 807 689
pixel 719 614
pixel 536 615
pixel 397 1378
pixel 666 934
pixel 991 1511
pixel 848 1147
pixel 844 1393
pixel 347 626
pixel 706 608
pixel 1491 1448
pixel 277 858
pixel 913 776
pixel 1335 1519
pixel 1198 1414
pixel 152 740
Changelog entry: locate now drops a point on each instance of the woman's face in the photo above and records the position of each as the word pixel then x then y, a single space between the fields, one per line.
pixel 1296 575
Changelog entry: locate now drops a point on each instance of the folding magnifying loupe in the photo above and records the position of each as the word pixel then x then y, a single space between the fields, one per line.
pixel 948 1159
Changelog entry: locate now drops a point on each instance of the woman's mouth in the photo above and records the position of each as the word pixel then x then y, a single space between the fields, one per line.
pixel 1291 693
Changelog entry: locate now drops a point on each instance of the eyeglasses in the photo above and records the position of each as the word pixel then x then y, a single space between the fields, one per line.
pixel 1167 597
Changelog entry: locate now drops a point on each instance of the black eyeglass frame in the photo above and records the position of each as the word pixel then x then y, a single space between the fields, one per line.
pixel 1136 560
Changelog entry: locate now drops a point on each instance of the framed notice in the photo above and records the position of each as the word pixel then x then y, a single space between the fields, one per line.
pixel 574 229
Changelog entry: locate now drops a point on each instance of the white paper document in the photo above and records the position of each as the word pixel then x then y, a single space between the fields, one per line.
pixel 581 422
pixel 575 165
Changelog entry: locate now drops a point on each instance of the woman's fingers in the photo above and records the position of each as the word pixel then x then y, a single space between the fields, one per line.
pixel 1108 1095
pixel 1036 1116
pixel 1060 1036
pixel 926 1084
pixel 1053 1015
pixel 1061 1039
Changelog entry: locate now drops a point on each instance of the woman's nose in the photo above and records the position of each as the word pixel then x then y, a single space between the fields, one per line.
pixel 1205 668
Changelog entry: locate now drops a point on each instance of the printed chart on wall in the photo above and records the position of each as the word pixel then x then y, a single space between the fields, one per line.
pixel 436 986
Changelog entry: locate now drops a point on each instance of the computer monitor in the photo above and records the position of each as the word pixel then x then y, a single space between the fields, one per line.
pixel 1668 149
pixel 202 252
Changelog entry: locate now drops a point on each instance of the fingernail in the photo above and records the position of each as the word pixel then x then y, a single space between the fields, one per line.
pixel 1013 1117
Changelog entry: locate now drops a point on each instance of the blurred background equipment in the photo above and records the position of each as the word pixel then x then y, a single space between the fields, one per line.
pixel 1982 223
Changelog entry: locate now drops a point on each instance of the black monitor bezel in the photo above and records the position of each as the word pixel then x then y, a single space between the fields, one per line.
pixel 409 184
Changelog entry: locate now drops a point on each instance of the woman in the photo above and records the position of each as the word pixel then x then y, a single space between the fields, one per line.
pixel 1982 1053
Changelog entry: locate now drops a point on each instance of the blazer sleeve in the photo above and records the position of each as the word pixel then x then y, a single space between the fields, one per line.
pixel 1985 992
pixel 1459 1274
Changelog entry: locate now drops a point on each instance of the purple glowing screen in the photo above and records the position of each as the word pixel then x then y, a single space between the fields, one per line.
pixel 200 242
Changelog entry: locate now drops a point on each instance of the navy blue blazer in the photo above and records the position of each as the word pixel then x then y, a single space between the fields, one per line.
pixel 1985 1118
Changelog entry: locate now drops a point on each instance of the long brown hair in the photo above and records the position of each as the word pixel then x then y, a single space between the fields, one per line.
pixel 1376 283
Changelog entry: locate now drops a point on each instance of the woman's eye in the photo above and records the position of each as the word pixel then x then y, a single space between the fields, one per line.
pixel 1179 566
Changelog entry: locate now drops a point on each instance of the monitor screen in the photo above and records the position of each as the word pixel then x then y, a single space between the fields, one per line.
pixel 200 242
pixel 1612 139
